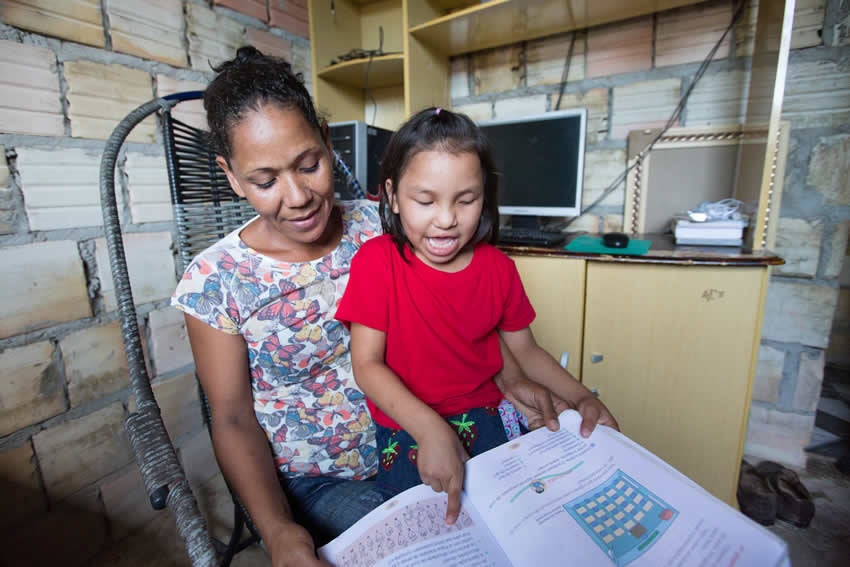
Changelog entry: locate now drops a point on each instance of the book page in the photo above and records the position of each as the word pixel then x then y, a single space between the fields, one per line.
pixel 411 530
pixel 606 501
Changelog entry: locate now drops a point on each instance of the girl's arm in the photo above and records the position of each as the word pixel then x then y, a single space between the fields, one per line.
pixel 540 367
pixel 241 447
pixel 441 455
pixel 539 405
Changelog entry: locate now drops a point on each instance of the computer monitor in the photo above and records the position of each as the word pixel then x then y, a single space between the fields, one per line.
pixel 541 161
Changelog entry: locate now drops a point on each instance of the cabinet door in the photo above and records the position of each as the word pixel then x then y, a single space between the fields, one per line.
pixel 555 287
pixel 671 350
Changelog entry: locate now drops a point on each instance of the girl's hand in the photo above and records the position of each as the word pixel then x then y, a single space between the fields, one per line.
pixel 592 413
pixel 440 461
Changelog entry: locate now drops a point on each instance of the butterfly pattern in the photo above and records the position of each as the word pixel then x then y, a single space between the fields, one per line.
pixel 305 397
pixel 204 301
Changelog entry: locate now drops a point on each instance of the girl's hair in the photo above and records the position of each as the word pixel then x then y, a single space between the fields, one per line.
pixel 247 82
pixel 440 130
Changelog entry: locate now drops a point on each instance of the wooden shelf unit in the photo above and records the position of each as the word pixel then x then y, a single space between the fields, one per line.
pixel 421 35
pixel 343 90
pixel 482 25
pixel 382 71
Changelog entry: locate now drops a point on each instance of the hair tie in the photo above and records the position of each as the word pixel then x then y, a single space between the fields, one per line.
pixel 437 111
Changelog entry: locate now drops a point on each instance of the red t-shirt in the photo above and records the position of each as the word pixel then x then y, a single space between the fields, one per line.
pixel 442 328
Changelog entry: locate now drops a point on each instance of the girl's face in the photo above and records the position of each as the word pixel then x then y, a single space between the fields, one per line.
pixel 283 167
pixel 439 200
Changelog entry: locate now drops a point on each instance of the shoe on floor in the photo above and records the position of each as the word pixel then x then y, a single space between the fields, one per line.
pixel 794 503
pixel 755 497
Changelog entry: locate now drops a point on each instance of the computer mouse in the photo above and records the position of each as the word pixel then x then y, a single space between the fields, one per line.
pixel 615 240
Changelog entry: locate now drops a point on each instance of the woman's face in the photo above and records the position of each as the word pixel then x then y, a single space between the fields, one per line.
pixel 283 167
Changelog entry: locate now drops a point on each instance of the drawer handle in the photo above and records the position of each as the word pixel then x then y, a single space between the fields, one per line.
pixel 596 358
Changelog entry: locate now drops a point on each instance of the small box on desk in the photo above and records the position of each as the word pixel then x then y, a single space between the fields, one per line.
pixel 709 233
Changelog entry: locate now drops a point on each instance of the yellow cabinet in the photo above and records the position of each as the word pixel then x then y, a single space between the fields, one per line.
pixel 671 351
pixel 555 287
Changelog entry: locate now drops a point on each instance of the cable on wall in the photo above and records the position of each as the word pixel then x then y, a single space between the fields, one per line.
pixel 366 88
pixel 674 117
pixel 566 72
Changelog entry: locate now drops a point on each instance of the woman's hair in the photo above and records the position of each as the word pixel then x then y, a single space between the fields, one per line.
pixel 247 82
pixel 438 129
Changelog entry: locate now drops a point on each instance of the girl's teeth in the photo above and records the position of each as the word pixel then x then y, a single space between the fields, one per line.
pixel 441 242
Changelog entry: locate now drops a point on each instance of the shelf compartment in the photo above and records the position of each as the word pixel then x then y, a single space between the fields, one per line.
pixel 384 71
pixel 502 22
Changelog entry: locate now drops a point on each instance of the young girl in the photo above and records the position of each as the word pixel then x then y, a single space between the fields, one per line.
pixel 427 302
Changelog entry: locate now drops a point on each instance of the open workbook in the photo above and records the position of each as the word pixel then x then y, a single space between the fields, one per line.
pixel 554 498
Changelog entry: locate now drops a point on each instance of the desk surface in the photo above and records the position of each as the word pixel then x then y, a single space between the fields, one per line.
pixel 662 251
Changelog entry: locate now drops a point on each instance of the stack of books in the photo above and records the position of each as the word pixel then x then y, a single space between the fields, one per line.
pixel 709 233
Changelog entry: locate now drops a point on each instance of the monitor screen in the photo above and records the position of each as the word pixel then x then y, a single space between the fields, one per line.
pixel 541 160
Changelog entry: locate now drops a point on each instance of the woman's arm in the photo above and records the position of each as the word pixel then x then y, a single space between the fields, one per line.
pixel 540 367
pixel 441 455
pixel 241 446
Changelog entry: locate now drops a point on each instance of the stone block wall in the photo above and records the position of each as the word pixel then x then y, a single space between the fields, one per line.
pixel 69 71
pixel 630 75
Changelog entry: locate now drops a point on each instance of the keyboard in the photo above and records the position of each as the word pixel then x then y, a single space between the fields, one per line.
pixel 530 237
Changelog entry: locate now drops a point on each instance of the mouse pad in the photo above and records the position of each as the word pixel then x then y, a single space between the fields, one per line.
pixel 593 245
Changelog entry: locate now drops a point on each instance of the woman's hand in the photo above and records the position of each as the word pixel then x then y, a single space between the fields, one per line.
pixel 539 406
pixel 440 461
pixel 567 391
pixel 542 407
pixel 292 546
pixel 593 412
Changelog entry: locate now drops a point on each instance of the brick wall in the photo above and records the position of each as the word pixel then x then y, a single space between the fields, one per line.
pixel 630 75
pixel 69 71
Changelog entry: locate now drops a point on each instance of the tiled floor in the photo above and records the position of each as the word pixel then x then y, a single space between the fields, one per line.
pixel 825 543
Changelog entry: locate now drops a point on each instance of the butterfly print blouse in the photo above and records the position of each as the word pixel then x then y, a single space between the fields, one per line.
pixel 305 397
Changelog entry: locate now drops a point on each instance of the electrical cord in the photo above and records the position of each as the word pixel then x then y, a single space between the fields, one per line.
pixel 366 88
pixel 368 92
pixel 348 175
pixel 724 209
pixel 555 227
pixel 359 53
pixel 566 72
pixel 369 55
pixel 674 117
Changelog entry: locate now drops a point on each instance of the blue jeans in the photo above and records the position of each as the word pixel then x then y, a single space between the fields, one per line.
pixel 327 506
pixel 480 429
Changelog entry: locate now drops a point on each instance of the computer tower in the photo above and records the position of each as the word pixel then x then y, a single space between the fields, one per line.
pixel 361 148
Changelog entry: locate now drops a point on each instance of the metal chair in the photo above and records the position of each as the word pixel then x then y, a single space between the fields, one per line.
pixel 205 210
